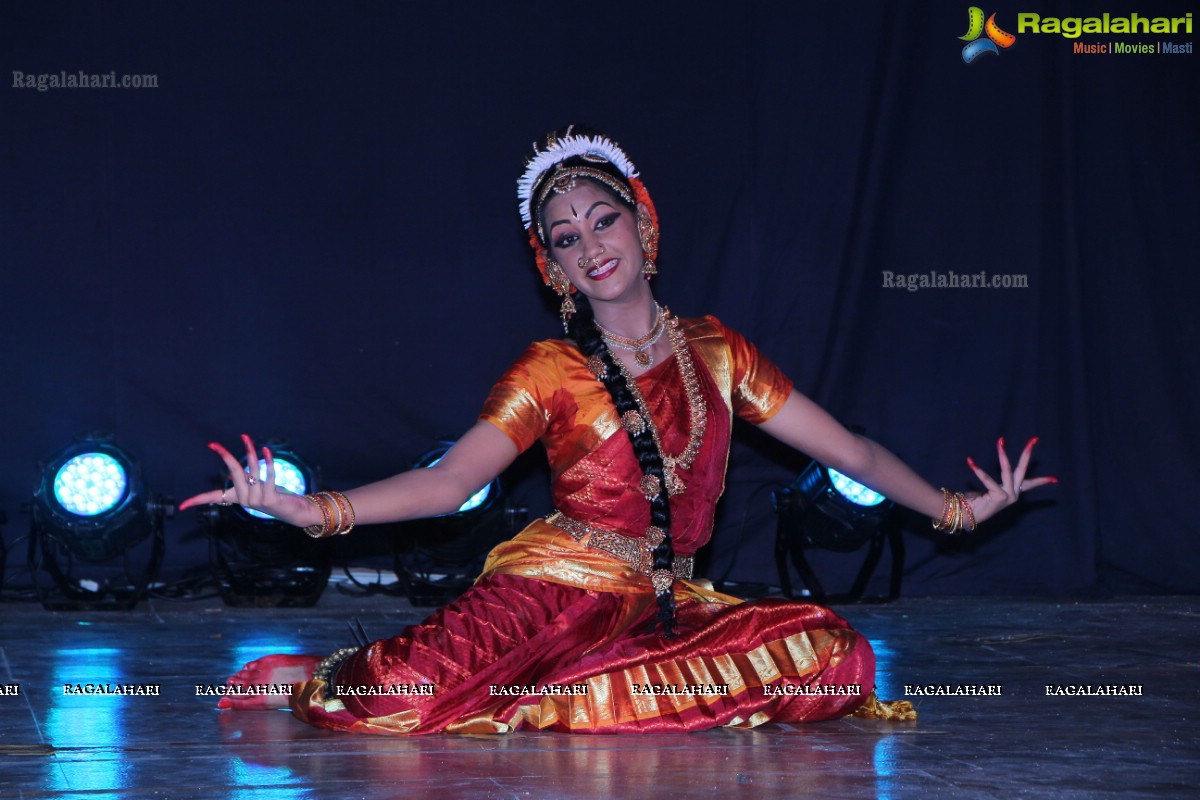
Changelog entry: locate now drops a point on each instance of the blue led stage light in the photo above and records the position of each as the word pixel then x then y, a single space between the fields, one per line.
pixel 259 561
pixel 854 491
pixel 826 510
pixel 90 484
pixel 436 559
pixel 90 507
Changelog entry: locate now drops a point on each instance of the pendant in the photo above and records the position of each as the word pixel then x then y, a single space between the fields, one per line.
pixel 643 358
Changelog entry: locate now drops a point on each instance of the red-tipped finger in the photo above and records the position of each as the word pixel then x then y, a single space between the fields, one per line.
pixel 986 479
pixel 269 480
pixel 230 462
pixel 205 498
pixel 251 456
pixel 1023 463
pixel 1006 470
pixel 1034 483
pixel 1002 454
pixel 1027 452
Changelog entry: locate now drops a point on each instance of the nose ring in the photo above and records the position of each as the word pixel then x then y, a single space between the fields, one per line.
pixel 585 263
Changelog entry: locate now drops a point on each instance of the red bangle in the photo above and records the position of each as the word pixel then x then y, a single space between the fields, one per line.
pixel 966 507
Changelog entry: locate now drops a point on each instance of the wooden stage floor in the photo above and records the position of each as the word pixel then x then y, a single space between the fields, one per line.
pixel 1021 743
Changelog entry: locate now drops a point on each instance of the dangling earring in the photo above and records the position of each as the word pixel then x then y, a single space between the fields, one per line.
pixel 557 278
pixel 649 236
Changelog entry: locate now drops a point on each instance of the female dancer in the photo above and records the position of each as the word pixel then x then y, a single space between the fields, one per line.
pixel 590 620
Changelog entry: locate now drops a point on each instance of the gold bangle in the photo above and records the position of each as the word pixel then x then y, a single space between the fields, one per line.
pixel 345 509
pixel 336 527
pixel 942 523
pixel 329 503
pixel 317 531
pixel 334 524
pixel 957 514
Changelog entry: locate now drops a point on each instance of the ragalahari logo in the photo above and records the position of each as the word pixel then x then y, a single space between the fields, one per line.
pixel 976 27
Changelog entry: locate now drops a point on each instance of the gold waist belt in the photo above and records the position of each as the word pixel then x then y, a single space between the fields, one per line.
pixel 637 553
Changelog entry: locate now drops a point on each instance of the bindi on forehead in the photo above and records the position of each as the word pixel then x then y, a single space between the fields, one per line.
pixel 576 215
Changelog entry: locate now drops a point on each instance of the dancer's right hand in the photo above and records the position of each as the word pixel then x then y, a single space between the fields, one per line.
pixel 261 495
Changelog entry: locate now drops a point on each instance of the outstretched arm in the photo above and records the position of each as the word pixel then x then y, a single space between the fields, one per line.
pixel 807 427
pixel 473 462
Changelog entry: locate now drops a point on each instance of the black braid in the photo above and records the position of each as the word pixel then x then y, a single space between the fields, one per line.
pixel 582 328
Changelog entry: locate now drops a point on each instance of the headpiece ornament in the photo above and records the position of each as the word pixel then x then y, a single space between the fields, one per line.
pixel 560 148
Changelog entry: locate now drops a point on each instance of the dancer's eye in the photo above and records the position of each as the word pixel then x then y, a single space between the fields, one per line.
pixel 608 220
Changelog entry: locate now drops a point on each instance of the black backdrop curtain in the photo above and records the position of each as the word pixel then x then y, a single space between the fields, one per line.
pixel 309 230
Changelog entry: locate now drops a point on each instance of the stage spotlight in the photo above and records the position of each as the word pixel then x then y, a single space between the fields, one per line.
pixel 91 506
pixel 854 491
pixel 437 559
pixel 259 561
pixel 827 510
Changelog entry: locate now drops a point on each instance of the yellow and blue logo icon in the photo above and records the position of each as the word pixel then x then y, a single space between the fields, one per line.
pixel 976 28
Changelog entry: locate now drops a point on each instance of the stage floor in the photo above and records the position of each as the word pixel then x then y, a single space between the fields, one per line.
pixel 1020 743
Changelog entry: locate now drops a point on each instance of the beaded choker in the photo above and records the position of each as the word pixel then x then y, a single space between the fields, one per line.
pixel 639 347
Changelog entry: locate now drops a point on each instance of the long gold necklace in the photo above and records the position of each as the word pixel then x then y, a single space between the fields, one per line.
pixel 637 421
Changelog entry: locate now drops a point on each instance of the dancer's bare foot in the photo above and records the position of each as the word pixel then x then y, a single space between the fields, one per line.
pixel 262 681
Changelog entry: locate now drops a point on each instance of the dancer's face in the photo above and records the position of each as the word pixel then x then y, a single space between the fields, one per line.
pixel 594 237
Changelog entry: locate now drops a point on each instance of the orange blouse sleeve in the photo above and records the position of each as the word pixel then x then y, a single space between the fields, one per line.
pixel 519 403
pixel 759 388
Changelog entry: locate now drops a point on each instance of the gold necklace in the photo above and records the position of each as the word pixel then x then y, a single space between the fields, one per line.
pixel 637 421
pixel 639 347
